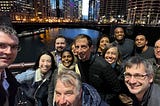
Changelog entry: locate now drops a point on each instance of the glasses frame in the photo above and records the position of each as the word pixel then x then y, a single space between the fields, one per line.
pixel 4 46
pixel 137 76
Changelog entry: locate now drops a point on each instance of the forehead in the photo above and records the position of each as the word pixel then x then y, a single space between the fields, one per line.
pixel 4 37
pixel 113 49
pixel 60 39
pixel 118 29
pixel 104 38
pixel 140 36
pixel 157 43
pixel 136 68
pixel 66 53
pixel 66 87
pixel 81 41
pixel 45 56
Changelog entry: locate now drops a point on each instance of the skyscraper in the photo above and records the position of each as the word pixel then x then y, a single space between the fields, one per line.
pixel 113 8
pixel 143 11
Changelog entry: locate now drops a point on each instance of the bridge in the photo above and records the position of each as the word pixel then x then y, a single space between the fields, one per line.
pixel 89 25
pixel 152 32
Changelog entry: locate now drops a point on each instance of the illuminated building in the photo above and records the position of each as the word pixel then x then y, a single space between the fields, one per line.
pixel 18 10
pixel 42 9
pixel 143 11
pixel 113 8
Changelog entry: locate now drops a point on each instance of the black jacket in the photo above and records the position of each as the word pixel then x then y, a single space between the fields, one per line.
pixel 12 90
pixel 99 73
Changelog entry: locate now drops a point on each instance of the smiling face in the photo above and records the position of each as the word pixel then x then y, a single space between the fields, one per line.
pixel 83 49
pixel 67 59
pixel 60 44
pixel 8 49
pixel 68 96
pixel 157 49
pixel 111 55
pixel 119 34
pixel 103 42
pixel 45 63
pixel 137 85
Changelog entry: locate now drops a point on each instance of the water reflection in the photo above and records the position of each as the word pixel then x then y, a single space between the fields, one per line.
pixel 33 45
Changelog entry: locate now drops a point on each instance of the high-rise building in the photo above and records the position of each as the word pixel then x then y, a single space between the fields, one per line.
pixel 143 11
pixel 42 9
pixel 113 8
pixel 18 10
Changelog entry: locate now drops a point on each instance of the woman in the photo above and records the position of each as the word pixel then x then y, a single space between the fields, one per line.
pixel 34 82
pixel 101 44
pixel 68 62
pixel 112 55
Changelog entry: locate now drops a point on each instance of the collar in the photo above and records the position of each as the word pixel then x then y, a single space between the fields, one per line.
pixel 4 72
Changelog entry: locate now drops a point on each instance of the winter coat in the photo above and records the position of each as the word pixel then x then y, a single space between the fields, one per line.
pixel 35 86
pixel 150 98
pixel 99 73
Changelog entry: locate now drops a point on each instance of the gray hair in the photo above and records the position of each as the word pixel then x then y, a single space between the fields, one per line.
pixel 136 60
pixel 8 30
pixel 70 78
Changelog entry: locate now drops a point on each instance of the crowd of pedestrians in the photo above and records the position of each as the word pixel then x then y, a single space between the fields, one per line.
pixel 122 72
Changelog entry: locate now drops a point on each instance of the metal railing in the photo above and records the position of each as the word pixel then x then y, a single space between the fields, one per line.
pixel 20 66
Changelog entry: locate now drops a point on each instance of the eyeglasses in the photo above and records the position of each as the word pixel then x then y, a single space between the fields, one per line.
pixel 137 76
pixel 4 46
pixel 157 47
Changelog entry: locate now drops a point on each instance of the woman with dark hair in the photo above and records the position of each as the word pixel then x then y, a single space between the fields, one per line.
pixel 68 61
pixel 34 81
pixel 101 44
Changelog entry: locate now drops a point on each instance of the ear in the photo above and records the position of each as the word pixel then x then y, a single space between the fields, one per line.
pixel 146 42
pixel 80 94
pixel 150 78
pixel 91 48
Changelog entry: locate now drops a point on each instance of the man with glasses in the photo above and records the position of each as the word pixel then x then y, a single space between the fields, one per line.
pixel 138 77
pixel 8 52
pixel 156 62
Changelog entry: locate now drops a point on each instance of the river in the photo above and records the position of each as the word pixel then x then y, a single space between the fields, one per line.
pixel 31 46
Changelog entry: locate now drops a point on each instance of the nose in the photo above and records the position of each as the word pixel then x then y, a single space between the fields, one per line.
pixel 62 100
pixel 132 80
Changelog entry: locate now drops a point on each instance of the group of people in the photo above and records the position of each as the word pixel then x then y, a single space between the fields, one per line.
pixel 119 73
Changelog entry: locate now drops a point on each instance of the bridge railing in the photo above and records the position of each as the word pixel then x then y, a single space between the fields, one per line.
pixel 18 67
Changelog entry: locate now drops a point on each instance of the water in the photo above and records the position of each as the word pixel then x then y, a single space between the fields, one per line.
pixel 33 45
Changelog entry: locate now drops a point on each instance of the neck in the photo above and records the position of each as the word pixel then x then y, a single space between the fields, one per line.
pixel 145 48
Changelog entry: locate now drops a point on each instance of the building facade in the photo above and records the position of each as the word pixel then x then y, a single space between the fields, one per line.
pixel 18 10
pixel 143 11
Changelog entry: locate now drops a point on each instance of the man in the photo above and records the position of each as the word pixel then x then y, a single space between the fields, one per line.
pixel 142 49
pixel 8 52
pixel 69 91
pixel 60 44
pixel 156 62
pixel 95 70
pixel 125 45
pixel 139 80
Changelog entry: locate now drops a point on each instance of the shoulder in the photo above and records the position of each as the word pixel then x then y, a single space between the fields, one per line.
pixel 27 75
pixel 130 41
